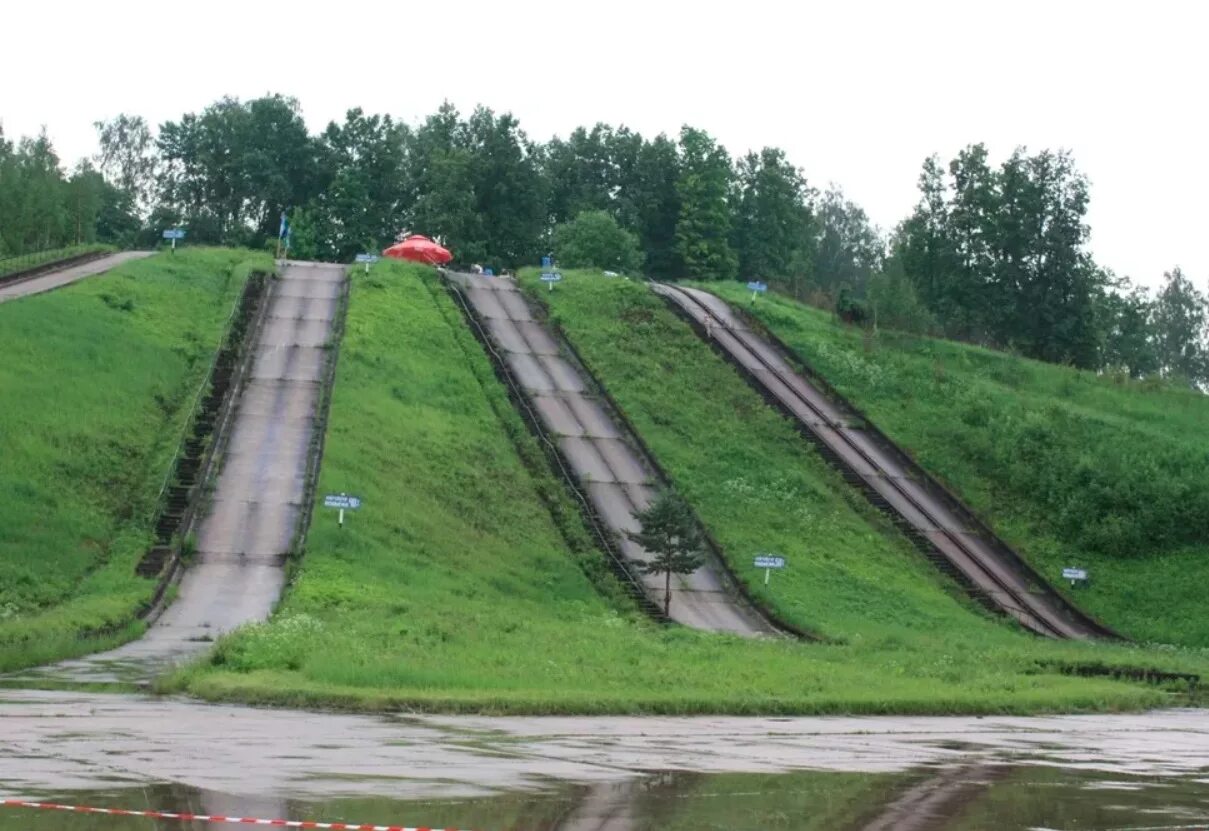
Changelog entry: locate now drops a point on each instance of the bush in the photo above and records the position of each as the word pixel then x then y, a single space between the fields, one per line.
pixel 595 240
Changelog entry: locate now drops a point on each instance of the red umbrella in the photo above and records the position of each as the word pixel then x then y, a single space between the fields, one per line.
pixel 420 250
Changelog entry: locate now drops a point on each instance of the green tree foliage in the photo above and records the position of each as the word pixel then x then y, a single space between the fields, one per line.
pixel 477 186
pixel 773 228
pixel 703 227
pixel 128 158
pixel 1181 329
pixel 595 240
pixel 1000 255
pixel 41 208
pixel 656 203
pixel 364 199
pixel 233 168
pixel 1124 319
pixel 849 249
pixel 670 534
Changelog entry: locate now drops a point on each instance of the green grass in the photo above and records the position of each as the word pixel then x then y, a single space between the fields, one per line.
pixel 461 584
pixel 98 381
pixel 21 262
pixel 1072 468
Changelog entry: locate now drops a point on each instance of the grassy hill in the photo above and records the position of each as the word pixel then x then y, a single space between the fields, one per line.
pixel 97 381
pixel 465 581
pixel 1072 468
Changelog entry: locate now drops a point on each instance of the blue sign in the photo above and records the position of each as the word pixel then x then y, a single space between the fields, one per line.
pixel 343 501
pixel 367 258
pixel 547 262
pixel 488 272
pixel 769 561
pixel 1074 574
pixel 551 277
pixel 757 286
pixel 174 233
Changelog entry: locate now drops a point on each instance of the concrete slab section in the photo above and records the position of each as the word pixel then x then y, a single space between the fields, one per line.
pixel 557 415
pixel 586 460
pixel 622 460
pixel 563 375
pixel 592 417
pixel 539 341
pixel 289 363
pixel 530 373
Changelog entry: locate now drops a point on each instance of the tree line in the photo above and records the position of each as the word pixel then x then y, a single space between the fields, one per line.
pixel 991 255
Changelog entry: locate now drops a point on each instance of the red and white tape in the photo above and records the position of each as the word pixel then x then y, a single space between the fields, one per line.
pixel 184 817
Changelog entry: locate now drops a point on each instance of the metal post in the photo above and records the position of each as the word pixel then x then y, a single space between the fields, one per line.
pixel 174 246
pixel 341 518
pixel 766 573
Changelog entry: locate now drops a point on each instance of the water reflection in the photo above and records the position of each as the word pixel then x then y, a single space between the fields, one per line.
pixel 994 796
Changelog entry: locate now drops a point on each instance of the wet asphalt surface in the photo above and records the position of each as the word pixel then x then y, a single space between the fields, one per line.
pixel 614 474
pixel 63 277
pixel 111 749
pixel 238 568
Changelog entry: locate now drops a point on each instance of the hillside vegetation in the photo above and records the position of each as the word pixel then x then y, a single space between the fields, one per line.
pixel 1072 468
pixel 98 380
pixel 464 582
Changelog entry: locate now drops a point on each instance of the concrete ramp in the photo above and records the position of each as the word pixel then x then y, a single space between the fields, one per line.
pixel 950 533
pixel 612 472
pixel 238 571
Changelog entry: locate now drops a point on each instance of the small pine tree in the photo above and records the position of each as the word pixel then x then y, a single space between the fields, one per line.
pixel 670 534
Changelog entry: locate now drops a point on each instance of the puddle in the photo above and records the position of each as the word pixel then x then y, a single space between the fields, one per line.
pixel 1110 772
pixel 992 797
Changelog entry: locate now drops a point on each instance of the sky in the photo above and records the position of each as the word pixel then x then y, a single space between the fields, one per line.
pixel 856 92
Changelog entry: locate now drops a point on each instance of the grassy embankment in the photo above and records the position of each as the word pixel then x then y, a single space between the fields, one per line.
pixel 98 380
pixel 22 262
pixel 454 589
pixel 1074 469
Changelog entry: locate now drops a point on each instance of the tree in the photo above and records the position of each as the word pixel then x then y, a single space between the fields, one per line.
pixel 364 201
pixel 1180 321
pixel 595 240
pixel 703 228
pixel 128 158
pixel 655 200
pixel 670 534
pixel 773 228
pixel 239 165
pixel 1124 316
pixel 849 248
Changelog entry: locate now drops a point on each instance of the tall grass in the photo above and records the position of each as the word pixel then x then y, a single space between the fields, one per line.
pixel 1074 469
pixel 97 382
pixel 454 589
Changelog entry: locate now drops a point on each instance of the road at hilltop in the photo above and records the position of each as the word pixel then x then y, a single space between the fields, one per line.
pixel 66 276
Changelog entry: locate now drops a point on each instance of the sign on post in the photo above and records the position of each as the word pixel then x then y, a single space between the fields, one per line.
pixel 547 263
pixel 1074 575
pixel 768 562
pixel 174 234
pixel 757 288
pixel 367 259
pixel 551 277
pixel 342 501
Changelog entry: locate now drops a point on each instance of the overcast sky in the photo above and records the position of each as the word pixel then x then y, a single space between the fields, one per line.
pixel 857 93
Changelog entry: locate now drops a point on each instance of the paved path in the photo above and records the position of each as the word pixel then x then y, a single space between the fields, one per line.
pixel 60 741
pixel 615 476
pixel 238 573
pixel 55 279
